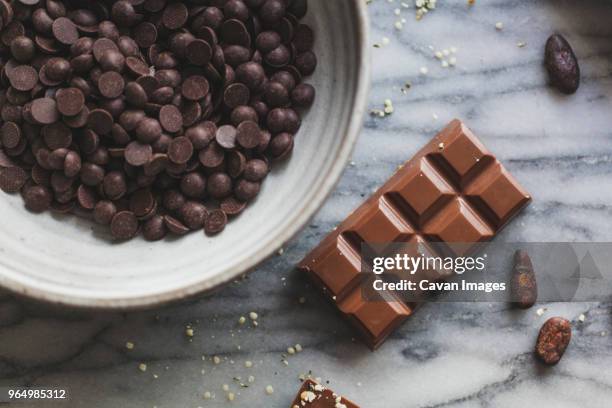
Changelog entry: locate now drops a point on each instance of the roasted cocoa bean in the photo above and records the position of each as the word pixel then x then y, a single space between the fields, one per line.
pixel 553 339
pixel 562 64
pixel 524 285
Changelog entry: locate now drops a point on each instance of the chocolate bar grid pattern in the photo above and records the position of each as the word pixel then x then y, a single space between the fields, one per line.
pixel 454 190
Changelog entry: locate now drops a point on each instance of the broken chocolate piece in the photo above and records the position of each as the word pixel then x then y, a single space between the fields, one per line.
pixel 314 395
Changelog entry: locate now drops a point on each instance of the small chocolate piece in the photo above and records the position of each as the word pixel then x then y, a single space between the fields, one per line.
pixel 10 135
pixel 65 31
pixel 219 185
pixel 104 211
pixel 44 111
pixel 100 121
pixel 195 88
pixel 226 136
pixel 235 95
pixel 193 185
pixel 148 130
pixel 215 222
pixel 171 118
pixel 124 225
pixel 23 77
pixel 70 101
pixel 111 84
pixel 12 179
pixel 212 156
pixel 199 52
pixel 246 190
pixel 180 150
pixel 554 337
pixel 248 135
pixel 480 198
pixel 232 206
pixel 175 226
pixel 314 395
pixel 86 197
pixel 154 228
pixel 524 285
pixel 303 95
pixel 255 170
pixel 138 154
pixel 37 198
pixel 175 15
pixel 193 214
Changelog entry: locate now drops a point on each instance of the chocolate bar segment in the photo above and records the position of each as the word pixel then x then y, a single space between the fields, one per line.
pixel 453 191
pixel 314 395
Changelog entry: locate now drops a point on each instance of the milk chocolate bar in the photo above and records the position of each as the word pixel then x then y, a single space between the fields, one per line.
pixel 315 395
pixel 453 191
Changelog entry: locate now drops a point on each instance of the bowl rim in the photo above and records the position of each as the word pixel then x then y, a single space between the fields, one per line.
pixel 296 225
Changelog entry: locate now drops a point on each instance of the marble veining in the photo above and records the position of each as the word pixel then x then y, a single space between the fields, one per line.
pixel 448 355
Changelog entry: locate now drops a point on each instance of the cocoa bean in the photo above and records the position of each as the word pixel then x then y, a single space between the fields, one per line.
pixel 562 64
pixel 524 285
pixel 553 339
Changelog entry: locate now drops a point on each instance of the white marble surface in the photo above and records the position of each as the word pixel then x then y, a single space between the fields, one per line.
pixel 447 355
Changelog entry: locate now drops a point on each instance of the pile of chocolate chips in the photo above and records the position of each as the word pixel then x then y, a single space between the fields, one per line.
pixel 153 115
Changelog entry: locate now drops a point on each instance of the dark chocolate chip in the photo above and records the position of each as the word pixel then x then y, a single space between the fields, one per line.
pixel 10 135
pixel 70 101
pixel 37 198
pixel 215 222
pixel 199 52
pixel 100 121
pixel 138 154
pixel 111 84
pixel 104 211
pixel 219 185
pixel 226 136
pixel 44 111
pixel 248 135
pixel 171 118
pixel 23 77
pixel 235 95
pixel 212 156
pixel 255 170
pixel 154 228
pixel 180 150
pixel 124 225
pixel 193 214
pixel 175 16
pixel 12 179
pixel 175 226
pixel 142 202
pixel 232 206
pixel 303 95
pixel 195 87
pixel 114 185
pixel 246 190
pixel 86 197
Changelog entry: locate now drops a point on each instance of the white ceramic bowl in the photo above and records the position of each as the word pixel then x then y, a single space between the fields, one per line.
pixel 70 261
